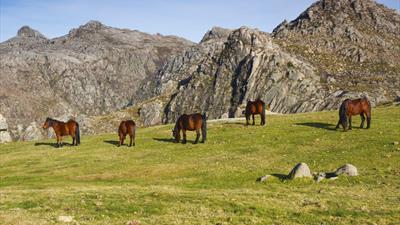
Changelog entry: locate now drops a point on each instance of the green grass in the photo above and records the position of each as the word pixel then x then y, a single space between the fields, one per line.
pixel 159 182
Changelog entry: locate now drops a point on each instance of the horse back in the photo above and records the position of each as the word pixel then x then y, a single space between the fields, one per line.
pixel 127 126
pixel 358 106
pixel 70 127
pixel 191 122
pixel 255 107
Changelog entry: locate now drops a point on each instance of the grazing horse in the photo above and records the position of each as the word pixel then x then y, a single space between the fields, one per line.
pixel 349 108
pixel 62 129
pixel 190 122
pixel 127 127
pixel 254 108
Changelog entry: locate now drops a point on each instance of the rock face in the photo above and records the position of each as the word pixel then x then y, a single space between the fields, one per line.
pixel 300 170
pixel 223 72
pixel 93 70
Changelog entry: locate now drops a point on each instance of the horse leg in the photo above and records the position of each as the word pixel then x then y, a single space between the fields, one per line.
pixel 184 136
pixel 368 119
pixel 350 123
pixel 197 136
pixel 73 140
pixel 123 139
pixel 362 120
pixel 338 124
pixel 58 141
pixel 130 140
pixel 262 120
pixel 120 140
pixel 247 119
pixel 253 119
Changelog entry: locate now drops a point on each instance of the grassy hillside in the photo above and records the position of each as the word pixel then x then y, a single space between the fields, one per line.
pixel 160 182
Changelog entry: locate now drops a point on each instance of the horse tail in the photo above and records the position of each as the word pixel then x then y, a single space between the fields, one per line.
pixel 77 134
pixel 204 126
pixel 263 113
pixel 368 113
pixel 342 114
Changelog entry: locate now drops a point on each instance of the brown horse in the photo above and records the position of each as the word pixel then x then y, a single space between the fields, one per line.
pixel 254 108
pixel 350 108
pixel 190 122
pixel 127 127
pixel 62 129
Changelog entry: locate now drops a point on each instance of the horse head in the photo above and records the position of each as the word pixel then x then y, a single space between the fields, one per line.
pixel 47 123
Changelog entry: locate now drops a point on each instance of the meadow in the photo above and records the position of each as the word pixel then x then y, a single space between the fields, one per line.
pixel 161 182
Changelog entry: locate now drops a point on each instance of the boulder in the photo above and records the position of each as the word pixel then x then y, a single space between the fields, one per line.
pixel 347 169
pixel 300 170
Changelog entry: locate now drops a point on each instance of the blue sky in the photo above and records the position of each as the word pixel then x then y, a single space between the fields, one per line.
pixel 186 18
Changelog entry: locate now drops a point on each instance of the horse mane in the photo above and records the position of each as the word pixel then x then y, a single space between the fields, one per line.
pixel 53 120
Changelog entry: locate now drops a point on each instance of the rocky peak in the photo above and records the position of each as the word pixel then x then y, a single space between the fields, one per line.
pixel 216 33
pixel 27 32
pixel 92 25
pixel 248 36
pixel 325 15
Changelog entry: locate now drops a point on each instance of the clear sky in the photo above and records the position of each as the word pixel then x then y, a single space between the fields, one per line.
pixel 186 18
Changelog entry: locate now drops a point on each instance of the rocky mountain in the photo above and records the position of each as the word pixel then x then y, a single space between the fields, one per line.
pixel 336 49
pixel 93 70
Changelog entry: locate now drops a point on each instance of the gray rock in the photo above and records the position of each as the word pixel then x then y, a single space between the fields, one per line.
pixel 321 176
pixel 4 133
pixel 32 132
pixel 66 219
pixel 300 170
pixel 151 112
pixel 263 178
pixel 347 169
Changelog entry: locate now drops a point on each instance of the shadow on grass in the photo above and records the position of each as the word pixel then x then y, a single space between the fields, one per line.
pixel 280 176
pixel 326 126
pixel 170 140
pixel 236 123
pixel 52 144
pixel 112 142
